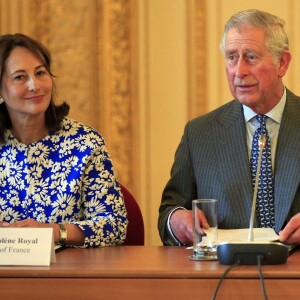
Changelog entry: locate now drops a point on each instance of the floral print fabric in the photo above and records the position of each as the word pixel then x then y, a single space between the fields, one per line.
pixel 65 178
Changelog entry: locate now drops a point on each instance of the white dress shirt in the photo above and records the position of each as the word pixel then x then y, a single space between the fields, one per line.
pixel 273 123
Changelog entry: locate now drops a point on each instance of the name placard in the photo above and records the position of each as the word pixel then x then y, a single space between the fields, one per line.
pixel 26 246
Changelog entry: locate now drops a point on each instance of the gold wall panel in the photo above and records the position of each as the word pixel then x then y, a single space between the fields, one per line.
pixel 197 55
pixel 117 65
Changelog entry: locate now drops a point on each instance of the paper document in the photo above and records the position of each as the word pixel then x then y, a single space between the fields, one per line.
pixel 241 235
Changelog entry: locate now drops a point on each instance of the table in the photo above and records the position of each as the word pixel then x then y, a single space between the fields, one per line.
pixel 145 272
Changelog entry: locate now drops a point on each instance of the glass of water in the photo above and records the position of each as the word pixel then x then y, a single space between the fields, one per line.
pixel 205 239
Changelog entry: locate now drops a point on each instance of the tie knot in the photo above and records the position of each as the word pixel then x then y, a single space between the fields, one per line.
pixel 261 119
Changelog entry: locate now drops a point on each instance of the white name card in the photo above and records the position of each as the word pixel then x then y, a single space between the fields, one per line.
pixel 26 246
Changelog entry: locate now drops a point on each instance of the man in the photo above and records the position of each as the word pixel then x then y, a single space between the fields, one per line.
pixel 212 160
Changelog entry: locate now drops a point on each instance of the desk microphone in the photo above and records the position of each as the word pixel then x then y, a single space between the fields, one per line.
pixel 272 253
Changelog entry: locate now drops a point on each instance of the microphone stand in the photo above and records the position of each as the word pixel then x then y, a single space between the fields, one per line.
pixel 248 253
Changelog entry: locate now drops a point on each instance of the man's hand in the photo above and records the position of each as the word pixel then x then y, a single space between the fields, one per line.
pixel 181 222
pixel 291 232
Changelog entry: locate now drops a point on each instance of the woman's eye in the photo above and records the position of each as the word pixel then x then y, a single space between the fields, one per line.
pixel 41 73
pixel 19 77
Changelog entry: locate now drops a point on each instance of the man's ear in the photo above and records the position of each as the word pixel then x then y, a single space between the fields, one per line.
pixel 284 62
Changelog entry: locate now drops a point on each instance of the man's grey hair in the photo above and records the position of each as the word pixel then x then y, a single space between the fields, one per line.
pixel 276 37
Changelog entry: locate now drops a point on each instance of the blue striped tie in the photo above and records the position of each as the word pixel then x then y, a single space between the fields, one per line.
pixel 265 193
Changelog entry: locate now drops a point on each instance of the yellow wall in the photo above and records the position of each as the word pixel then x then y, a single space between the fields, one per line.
pixel 162 98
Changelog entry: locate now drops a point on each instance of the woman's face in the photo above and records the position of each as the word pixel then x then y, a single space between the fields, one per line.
pixel 26 85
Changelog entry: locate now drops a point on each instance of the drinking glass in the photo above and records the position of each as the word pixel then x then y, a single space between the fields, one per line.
pixel 205 240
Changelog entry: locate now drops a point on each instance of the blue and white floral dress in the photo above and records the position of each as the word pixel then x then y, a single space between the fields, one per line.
pixel 67 177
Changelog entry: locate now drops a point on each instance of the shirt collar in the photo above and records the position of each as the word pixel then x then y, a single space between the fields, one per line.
pixel 275 113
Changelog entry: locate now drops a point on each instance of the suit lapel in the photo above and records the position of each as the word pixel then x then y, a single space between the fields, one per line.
pixel 287 163
pixel 233 157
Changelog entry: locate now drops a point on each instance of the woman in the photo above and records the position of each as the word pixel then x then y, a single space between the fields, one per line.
pixel 54 171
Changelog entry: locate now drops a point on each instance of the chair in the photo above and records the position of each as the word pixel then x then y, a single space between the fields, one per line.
pixel 135 230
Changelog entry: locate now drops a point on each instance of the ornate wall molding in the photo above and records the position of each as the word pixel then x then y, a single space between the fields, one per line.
pixel 118 85
pixel 197 71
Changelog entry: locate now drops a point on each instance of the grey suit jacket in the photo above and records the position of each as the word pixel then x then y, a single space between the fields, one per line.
pixel 212 162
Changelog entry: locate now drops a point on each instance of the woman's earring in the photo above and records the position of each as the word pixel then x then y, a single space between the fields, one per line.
pixel 1 100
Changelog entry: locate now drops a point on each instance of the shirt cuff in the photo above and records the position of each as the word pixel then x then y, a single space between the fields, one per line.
pixel 169 227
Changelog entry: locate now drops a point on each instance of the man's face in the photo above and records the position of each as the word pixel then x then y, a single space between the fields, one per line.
pixel 254 76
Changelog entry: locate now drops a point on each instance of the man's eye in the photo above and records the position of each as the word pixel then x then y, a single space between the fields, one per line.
pixel 251 57
pixel 232 59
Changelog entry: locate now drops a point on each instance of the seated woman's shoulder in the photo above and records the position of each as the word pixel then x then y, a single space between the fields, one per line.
pixel 73 129
pixel 71 125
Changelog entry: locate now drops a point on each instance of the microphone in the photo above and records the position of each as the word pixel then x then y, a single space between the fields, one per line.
pixel 248 253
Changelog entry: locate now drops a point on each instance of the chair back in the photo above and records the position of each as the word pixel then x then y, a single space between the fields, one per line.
pixel 135 230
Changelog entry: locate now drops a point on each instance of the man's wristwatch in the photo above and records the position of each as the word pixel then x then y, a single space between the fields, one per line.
pixel 63 234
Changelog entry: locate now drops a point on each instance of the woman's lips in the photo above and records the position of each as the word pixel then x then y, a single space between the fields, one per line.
pixel 36 98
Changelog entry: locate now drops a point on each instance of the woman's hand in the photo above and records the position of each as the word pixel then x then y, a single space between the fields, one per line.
pixel 27 223
pixel 75 234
